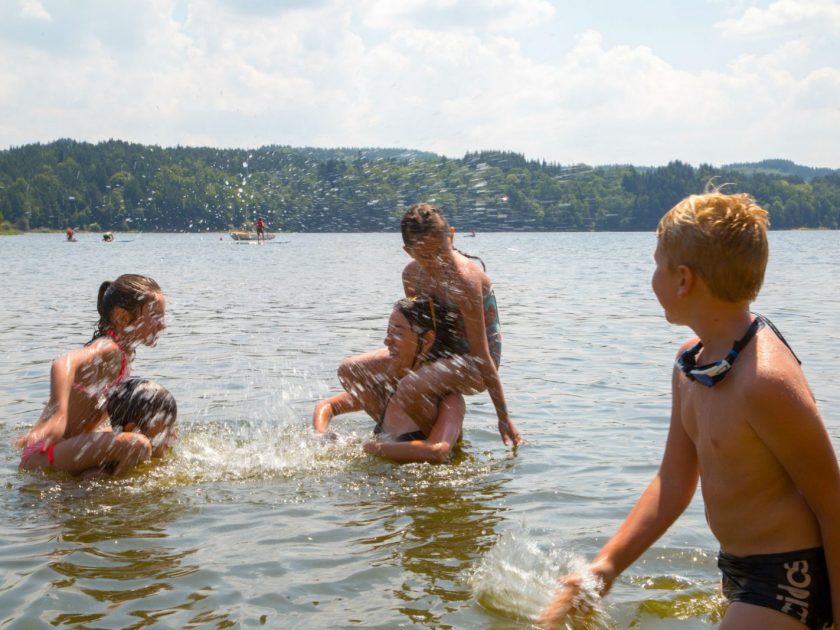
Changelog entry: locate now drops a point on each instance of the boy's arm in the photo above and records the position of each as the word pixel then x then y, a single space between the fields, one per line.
pixel 437 447
pixel 326 410
pixel 661 503
pixel 788 422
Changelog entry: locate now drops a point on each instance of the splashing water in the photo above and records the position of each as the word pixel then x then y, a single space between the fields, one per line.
pixel 517 578
pixel 249 450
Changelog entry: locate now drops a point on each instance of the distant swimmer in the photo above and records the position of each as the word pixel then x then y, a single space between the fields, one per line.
pixel 744 424
pixel 69 436
pixel 453 279
pixel 71 235
pixel 260 225
pixel 108 237
pixel 417 334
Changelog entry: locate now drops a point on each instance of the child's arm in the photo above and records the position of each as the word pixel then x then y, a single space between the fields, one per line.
pixel 788 422
pixel 409 275
pixel 53 423
pixel 326 410
pixel 472 307
pixel 437 447
pixel 661 503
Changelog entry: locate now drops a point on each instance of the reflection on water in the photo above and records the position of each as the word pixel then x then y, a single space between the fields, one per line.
pixel 435 521
pixel 108 550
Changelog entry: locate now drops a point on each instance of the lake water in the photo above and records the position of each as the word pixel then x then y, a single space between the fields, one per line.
pixel 252 521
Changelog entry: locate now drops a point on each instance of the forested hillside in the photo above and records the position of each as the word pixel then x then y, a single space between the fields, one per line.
pixel 116 185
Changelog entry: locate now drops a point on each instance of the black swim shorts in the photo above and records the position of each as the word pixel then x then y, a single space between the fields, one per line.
pixel 795 583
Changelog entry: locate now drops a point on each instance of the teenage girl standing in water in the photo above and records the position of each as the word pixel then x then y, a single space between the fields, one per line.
pixel 68 437
pixel 443 273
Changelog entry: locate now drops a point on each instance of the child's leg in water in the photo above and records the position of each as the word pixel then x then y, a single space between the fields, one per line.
pixel 92 450
pixel 418 393
pixel 366 377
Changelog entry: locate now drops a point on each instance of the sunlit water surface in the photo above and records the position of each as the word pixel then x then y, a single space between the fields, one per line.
pixel 253 521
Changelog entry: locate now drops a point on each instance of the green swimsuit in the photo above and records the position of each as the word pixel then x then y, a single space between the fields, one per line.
pixel 492 326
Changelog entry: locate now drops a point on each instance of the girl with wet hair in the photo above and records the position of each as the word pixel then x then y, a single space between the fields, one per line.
pixel 453 279
pixel 67 437
pixel 128 292
pixel 418 333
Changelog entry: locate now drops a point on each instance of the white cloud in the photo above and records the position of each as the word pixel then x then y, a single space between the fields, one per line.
pixel 818 89
pixel 782 16
pixel 494 15
pixel 33 9
pixel 315 74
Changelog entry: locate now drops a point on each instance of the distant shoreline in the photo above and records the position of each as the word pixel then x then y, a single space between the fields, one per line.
pixel 457 233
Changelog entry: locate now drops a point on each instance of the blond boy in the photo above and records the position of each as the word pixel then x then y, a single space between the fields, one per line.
pixel 744 421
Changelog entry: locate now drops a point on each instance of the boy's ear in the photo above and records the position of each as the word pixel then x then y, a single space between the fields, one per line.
pixel 687 280
pixel 128 427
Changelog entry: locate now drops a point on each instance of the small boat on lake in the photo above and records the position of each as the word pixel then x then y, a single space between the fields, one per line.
pixel 242 235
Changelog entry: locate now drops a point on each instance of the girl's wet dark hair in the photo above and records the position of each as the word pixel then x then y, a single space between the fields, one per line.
pixel 141 401
pixel 424 314
pixel 423 219
pixel 130 291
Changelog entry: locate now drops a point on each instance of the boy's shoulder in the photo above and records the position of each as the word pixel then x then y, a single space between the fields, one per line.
pixel 766 370
pixel 773 384
pixel 775 362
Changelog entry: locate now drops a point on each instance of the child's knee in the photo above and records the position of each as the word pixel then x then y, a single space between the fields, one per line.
pixel 347 371
pixel 135 446
pixel 414 386
pixel 413 393
pixel 440 452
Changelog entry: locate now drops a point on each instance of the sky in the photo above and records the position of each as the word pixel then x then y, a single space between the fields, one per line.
pixel 583 81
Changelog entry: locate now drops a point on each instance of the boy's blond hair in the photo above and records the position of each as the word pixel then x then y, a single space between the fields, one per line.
pixel 722 238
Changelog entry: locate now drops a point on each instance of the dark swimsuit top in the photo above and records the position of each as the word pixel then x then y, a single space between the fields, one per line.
pixel 492 325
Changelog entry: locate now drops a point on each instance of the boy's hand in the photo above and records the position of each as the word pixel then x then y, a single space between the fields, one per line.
pixel 579 596
pixel 566 603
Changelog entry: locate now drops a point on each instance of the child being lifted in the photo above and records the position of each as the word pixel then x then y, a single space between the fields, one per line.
pixel 745 422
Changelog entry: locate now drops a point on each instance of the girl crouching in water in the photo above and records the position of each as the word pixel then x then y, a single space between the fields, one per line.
pixel 67 437
pixel 418 333
pixel 449 277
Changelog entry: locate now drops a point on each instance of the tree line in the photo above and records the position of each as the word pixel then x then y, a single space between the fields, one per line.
pixel 117 185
